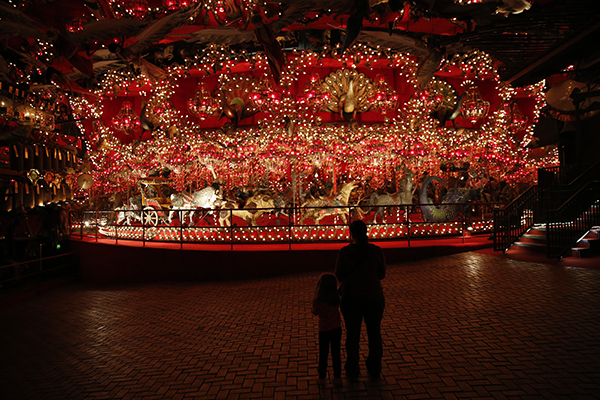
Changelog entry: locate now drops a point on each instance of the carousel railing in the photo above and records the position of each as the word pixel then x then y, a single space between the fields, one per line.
pixel 276 225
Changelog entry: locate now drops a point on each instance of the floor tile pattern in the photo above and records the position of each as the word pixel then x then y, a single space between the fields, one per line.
pixel 466 326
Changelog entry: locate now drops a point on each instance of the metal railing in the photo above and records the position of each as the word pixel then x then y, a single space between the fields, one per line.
pixel 553 176
pixel 511 222
pixel 281 225
pixel 572 220
pixel 533 206
pixel 37 271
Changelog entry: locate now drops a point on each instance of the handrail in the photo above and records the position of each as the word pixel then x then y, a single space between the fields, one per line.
pixel 532 206
pixel 573 219
pixel 33 268
pixel 590 174
pixel 513 221
pixel 36 260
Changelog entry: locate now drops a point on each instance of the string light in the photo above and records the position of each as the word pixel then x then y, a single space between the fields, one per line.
pixel 362 151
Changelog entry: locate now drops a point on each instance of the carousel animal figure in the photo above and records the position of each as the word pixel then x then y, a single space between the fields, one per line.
pixel 403 196
pixel 229 209
pixel 335 205
pixel 180 201
pixel 131 211
pixel 450 207
pixel 206 198
pixel 258 205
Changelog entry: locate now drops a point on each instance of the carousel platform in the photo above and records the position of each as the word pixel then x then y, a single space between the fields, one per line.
pixel 107 261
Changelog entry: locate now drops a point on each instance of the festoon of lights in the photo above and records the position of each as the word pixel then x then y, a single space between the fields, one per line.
pixel 413 137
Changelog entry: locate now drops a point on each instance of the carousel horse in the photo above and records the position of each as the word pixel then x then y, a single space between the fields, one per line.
pixel 258 205
pixel 206 198
pixel 403 196
pixel 255 207
pixel 337 205
pixel 450 207
pixel 230 208
pixel 130 211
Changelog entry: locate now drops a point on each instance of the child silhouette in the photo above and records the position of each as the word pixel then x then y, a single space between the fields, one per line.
pixel 326 305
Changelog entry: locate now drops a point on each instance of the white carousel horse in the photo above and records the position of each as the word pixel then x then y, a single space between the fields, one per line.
pixel 130 211
pixel 336 205
pixel 206 198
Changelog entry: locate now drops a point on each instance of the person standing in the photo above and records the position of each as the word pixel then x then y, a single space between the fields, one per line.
pixel 359 268
pixel 326 305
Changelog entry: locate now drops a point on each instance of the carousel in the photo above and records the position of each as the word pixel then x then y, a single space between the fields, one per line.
pixel 246 121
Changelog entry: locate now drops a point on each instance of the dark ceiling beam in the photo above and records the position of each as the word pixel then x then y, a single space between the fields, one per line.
pixel 554 53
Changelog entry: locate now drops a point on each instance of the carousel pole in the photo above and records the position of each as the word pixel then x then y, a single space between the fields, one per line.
pixel 294 190
pixel 334 178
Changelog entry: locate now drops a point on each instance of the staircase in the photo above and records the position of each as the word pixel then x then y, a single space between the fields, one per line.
pixel 552 216
pixel 535 240
pixel 589 245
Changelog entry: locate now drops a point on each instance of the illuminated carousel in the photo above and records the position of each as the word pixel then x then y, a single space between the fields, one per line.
pixel 246 122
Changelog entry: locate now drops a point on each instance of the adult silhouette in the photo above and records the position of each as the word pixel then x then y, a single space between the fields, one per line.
pixel 360 267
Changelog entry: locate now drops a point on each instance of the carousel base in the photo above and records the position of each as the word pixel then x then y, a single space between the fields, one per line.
pixel 109 261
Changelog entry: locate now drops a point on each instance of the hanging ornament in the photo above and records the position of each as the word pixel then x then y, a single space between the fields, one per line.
pixel 385 99
pixel 126 121
pixel 266 98
pixel 136 8
pixel 474 108
pixel 203 104
pixel 313 97
pixel 517 120
pixel 178 4
pixel 76 24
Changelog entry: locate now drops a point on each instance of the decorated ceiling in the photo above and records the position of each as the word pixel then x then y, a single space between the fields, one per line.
pixel 247 92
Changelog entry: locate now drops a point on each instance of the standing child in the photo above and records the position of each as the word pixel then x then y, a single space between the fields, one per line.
pixel 326 305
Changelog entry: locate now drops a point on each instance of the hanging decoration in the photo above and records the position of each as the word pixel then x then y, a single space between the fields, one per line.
pixel 203 104
pixel 177 4
pixel 76 24
pixel 136 8
pixel 266 98
pixel 474 108
pixel 313 98
pixel 517 120
pixel 385 99
pixel 126 121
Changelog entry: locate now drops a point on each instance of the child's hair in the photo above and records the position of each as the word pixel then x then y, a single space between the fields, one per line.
pixel 327 290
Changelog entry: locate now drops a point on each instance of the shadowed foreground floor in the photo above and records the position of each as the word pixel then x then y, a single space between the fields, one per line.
pixel 463 326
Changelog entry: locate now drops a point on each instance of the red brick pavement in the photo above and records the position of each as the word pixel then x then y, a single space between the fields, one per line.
pixel 463 326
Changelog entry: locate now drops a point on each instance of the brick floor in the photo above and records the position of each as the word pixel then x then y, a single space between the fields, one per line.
pixel 463 326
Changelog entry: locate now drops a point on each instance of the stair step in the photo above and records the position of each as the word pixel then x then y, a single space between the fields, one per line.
pixel 538 239
pixel 537 231
pixel 592 235
pixel 532 246
pixel 582 252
